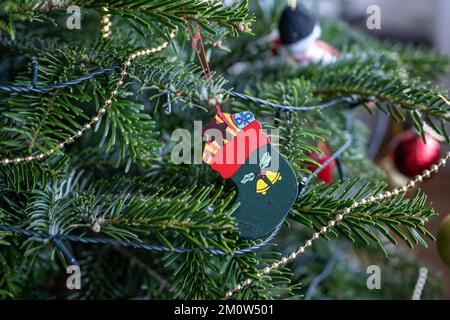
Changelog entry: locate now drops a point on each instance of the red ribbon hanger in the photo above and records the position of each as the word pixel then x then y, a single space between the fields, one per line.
pixel 196 38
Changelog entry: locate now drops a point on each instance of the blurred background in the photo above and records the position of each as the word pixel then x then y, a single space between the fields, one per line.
pixel 420 22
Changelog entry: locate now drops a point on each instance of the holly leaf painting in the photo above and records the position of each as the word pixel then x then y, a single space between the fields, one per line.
pixel 265 160
pixel 248 177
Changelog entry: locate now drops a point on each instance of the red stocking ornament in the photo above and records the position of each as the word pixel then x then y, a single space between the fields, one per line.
pixel 237 149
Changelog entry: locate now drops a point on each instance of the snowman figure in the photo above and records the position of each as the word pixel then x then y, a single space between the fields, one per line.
pixel 299 35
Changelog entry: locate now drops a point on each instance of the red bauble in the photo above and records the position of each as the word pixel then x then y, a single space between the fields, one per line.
pixel 275 45
pixel 326 175
pixel 411 155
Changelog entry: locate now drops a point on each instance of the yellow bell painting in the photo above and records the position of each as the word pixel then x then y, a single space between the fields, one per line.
pixel 263 185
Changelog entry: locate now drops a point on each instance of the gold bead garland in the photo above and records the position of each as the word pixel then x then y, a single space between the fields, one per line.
pixel 387 195
pixel 106 24
pixel 88 125
pixel 420 284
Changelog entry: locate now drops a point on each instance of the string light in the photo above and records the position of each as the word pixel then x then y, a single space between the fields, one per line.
pixel 332 223
pixel 108 102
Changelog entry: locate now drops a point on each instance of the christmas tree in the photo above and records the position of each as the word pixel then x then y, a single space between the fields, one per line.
pixel 91 96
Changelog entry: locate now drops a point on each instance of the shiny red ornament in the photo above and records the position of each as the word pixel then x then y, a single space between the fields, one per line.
pixel 411 155
pixel 275 45
pixel 326 175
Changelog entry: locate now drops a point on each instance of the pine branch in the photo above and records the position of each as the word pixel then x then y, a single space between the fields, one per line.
pixel 12 11
pixel 418 61
pixel 184 82
pixel 410 100
pixel 154 210
pixel 151 17
pixel 403 217
pixel 27 177
pixel 300 132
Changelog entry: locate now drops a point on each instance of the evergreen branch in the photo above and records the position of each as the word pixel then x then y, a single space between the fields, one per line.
pixel 402 217
pixel 153 17
pixel 137 142
pixel 416 60
pixel 12 11
pixel 410 100
pixel 133 217
pixel 27 177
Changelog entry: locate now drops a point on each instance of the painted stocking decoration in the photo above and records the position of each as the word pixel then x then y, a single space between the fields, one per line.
pixel 237 148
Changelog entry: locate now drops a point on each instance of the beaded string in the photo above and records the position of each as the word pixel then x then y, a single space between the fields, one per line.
pixel 420 284
pixel 332 223
pixel 88 125
pixel 106 24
